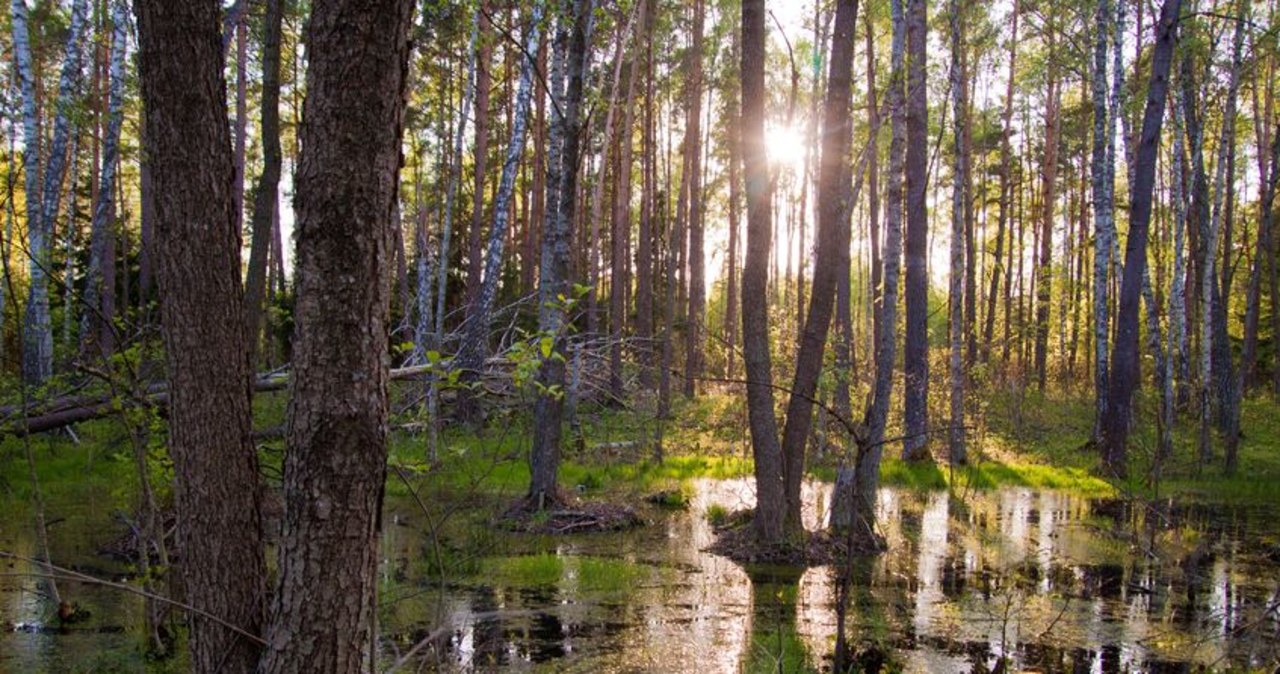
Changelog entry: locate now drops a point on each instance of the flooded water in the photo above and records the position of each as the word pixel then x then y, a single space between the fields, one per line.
pixel 1049 582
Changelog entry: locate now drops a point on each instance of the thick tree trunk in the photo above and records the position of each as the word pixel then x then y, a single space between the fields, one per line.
pixel 324 607
pixel 770 504
pixel 915 446
pixel 265 195
pixel 1124 354
pixel 202 313
pixel 557 240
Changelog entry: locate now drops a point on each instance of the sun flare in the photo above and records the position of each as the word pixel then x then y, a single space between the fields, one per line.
pixel 785 145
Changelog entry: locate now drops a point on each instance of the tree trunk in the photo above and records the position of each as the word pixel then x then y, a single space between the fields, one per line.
pixel 1103 173
pixel 1124 354
pixel 834 173
pixel 475 344
pixel 97 332
pixel 43 201
pixel 959 205
pixel 202 313
pixel 1048 201
pixel 1006 188
pixel 483 82
pixel 915 446
pixel 557 240
pixel 694 328
pixel 324 607
pixel 645 235
pixel 265 195
pixel 770 504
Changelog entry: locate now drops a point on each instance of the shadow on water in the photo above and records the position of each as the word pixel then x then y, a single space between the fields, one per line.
pixel 1000 581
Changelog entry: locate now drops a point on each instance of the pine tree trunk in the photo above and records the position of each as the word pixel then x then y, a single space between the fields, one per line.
pixel 694 328
pixel 1048 202
pixel 324 607
pixel 1006 170
pixel 202 313
pixel 915 446
pixel 959 205
pixel 265 194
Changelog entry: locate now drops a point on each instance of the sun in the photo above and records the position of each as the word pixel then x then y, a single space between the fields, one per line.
pixel 785 145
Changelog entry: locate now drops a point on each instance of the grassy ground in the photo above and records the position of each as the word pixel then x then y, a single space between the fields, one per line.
pixel 1022 439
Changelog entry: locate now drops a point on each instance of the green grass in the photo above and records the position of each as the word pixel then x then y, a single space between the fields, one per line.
pixel 524 571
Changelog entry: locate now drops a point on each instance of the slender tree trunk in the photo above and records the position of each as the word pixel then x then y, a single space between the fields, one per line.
pixel 324 607
pixel 835 171
pixel 1124 361
pixel 1006 189
pixel 97 332
pixel 959 205
pixel 695 329
pixel 645 235
pixel 44 201
pixel 1103 172
pixel 202 312
pixel 1048 201
pixel 475 346
pixel 915 445
pixel 770 503
pixel 265 195
pixel 557 240
pixel 1227 387
pixel 483 81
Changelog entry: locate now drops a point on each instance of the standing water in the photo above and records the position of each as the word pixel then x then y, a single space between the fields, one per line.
pixel 1044 581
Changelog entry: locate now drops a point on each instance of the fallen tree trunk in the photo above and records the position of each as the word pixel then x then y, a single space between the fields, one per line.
pixel 69 410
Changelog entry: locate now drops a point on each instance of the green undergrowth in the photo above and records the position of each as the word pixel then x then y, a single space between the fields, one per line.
pixel 587 573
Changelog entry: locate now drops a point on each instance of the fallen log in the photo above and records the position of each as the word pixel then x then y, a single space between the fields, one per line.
pixel 63 412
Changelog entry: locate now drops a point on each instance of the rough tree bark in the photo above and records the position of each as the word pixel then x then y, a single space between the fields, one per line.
pixel 557 240
pixel 202 313
pixel 915 446
pixel 324 605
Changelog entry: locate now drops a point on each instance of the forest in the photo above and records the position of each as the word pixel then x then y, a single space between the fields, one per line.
pixel 346 336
